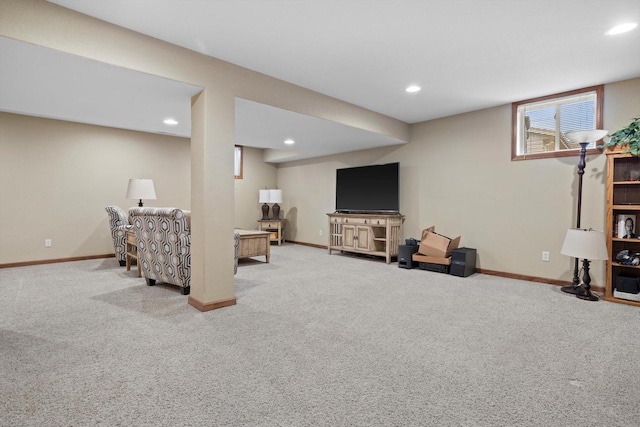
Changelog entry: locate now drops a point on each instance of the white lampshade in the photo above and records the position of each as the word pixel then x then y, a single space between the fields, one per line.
pixel 586 135
pixel 264 196
pixel 275 196
pixel 141 189
pixel 585 244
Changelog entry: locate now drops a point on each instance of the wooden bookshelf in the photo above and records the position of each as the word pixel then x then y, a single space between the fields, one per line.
pixel 623 199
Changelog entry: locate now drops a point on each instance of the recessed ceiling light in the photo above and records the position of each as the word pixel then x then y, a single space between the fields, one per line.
pixel 289 141
pixel 413 89
pixel 171 122
pixel 622 28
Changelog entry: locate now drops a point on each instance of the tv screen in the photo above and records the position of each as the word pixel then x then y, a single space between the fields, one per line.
pixel 368 189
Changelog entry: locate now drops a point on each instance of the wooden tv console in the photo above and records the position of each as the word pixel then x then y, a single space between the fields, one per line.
pixel 372 234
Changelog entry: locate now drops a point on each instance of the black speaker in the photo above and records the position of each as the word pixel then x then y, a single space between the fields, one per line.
pixel 438 268
pixel 405 253
pixel 463 262
pixel 630 285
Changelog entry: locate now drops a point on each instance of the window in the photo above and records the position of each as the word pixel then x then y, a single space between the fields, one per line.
pixel 539 125
pixel 237 162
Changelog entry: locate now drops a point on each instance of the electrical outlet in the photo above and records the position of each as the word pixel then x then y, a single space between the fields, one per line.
pixel 319 232
pixel 47 243
pixel 545 256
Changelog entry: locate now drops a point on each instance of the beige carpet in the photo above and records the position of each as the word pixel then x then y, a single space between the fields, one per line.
pixel 314 340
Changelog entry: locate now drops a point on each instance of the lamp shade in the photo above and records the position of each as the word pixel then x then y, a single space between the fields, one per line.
pixel 264 196
pixel 141 189
pixel 586 244
pixel 275 196
pixel 586 135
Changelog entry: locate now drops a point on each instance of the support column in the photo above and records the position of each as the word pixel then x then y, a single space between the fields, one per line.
pixel 212 200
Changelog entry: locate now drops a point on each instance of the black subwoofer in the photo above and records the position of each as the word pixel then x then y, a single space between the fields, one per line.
pixel 405 255
pixel 630 285
pixel 463 262
pixel 438 268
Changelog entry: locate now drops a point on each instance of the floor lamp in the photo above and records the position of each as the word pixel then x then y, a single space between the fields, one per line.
pixel 584 138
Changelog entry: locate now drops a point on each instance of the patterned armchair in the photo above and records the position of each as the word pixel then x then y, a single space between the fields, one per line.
pixel 163 236
pixel 119 224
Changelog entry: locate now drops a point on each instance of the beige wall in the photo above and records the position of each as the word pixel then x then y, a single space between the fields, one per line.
pixel 256 175
pixel 57 177
pixel 309 191
pixel 456 173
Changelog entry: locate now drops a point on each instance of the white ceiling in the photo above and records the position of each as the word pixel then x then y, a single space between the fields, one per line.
pixel 47 83
pixel 263 126
pixel 466 55
pixel 43 82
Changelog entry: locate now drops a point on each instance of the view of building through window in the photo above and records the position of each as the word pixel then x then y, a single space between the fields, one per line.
pixel 541 124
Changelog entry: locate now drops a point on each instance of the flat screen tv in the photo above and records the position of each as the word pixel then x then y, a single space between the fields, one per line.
pixel 368 189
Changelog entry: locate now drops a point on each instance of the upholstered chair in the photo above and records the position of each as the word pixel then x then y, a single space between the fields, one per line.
pixel 119 224
pixel 163 236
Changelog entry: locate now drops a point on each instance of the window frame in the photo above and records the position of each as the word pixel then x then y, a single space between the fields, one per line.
pixel 599 90
pixel 241 161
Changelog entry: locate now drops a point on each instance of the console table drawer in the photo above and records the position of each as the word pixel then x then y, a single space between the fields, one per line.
pixel 378 222
pixel 364 221
pixel 266 225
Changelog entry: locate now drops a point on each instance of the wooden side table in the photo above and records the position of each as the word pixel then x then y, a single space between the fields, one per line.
pixel 254 243
pixel 275 227
pixel 132 251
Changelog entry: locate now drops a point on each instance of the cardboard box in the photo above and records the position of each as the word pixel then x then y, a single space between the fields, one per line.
pixel 431 260
pixel 436 245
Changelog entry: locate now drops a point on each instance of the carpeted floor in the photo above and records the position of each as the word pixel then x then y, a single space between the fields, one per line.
pixel 314 340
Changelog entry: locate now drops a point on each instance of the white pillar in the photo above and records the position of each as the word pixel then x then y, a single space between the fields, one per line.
pixel 212 200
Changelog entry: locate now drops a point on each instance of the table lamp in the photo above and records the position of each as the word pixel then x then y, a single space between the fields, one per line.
pixel 264 198
pixel 140 188
pixel 275 197
pixel 587 244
